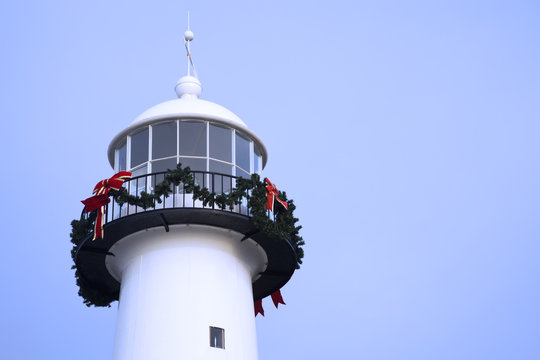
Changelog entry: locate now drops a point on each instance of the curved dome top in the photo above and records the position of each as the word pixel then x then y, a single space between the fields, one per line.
pixel 188 90
pixel 189 107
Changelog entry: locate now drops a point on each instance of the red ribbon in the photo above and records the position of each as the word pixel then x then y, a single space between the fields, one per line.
pixel 272 193
pixel 258 307
pixel 276 299
pixel 101 198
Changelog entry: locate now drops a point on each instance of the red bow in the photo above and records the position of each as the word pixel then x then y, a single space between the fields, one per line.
pixel 276 299
pixel 101 198
pixel 272 193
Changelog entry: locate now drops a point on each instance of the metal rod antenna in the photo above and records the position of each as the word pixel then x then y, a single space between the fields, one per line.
pixel 188 36
pixel 186 42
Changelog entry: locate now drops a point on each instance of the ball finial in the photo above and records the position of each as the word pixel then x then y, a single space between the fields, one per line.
pixel 188 35
pixel 188 87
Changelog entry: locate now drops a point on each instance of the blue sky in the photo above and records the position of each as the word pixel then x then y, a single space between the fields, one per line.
pixel 406 132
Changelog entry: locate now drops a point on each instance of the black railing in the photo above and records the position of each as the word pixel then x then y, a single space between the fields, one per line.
pixel 178 198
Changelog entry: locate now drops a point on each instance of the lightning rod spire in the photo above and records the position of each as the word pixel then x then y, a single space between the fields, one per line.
pixel 188 36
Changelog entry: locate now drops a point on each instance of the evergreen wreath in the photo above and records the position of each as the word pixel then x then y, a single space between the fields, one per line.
pixel 282 228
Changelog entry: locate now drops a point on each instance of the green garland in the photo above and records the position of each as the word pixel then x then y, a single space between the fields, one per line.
pixel 283 228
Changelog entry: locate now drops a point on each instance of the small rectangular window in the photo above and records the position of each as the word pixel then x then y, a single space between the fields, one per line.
pixel 217 337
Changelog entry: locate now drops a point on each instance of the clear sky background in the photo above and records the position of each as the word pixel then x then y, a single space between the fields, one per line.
pixel 408 134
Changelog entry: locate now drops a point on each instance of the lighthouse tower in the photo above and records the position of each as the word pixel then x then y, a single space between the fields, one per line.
pixel 186 273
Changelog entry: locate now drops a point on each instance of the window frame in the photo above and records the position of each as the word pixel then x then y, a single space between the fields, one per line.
pixel 222 331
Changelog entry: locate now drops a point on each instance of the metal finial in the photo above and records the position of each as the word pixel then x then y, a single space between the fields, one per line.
pixel 188 36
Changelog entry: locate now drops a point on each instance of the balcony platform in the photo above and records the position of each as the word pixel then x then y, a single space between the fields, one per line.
pixel 90 258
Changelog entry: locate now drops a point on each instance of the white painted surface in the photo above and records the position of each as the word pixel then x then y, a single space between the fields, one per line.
pixel 188 87
pixel 187 107
pixel 175 285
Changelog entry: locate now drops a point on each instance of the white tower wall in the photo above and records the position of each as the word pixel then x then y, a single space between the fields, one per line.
pixel 175 285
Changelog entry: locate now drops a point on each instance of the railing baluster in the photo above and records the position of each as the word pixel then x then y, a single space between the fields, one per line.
pixel 153 185
pixel 230 190
pixel 213 185
pixel 193 192
pixel 129 193
pixel 136 193
pixel 164 198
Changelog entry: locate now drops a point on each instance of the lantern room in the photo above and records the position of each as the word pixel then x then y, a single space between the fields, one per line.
pixel 194 132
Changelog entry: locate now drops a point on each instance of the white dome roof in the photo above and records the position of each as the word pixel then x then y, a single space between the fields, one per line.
pixel 189 107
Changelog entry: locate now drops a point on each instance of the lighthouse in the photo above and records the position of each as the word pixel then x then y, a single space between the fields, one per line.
pixel 182 250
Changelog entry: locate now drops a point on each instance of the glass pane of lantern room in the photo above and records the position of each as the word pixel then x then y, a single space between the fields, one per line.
pixel 256 162
pixel 219 167
pixel 160 166
pixel 242 153
pixel 163 165
pixel 121 158
pixel 220 143
pixel 139 148
pixel 196 166
pixel 192 141
pixel 164 140
pixel 220 184
pixel 137 184
pixel 242 173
